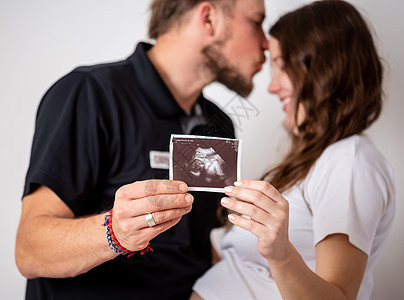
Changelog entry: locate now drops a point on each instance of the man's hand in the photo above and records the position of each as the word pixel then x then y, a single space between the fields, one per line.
pixel 166 200
pixel 52 242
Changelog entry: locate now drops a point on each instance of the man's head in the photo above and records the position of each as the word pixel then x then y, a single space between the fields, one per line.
pixel 235 43
pixel 239 54
pixel 167 13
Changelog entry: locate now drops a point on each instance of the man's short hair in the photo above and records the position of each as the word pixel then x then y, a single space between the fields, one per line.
pixel 166 13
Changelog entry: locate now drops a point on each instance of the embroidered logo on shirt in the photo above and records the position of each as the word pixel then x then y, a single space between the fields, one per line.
pixel 159 160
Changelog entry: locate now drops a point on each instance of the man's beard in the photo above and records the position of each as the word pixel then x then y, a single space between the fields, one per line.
pixel 225 74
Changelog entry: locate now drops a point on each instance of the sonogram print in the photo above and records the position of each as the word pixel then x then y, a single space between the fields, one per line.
pixel 207 164
pixel 204 162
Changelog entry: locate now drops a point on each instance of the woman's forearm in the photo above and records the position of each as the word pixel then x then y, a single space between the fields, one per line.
pixel 295 280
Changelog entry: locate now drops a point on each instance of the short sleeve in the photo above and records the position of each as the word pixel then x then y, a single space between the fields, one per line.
pixel 349 194
pixel 68 140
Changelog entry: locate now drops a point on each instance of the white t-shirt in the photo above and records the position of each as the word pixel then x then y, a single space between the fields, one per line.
pixel 349 190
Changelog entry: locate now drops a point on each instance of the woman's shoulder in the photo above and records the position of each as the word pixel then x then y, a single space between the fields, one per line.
pixel 349 145
pixel 358 148
pixel 357 154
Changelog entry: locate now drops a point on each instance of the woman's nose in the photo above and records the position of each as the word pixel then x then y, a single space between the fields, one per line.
pixel 273 86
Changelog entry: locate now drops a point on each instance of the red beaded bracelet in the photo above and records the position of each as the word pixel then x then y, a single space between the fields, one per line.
pixel 113 242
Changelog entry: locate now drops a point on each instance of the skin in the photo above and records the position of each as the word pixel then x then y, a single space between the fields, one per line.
pixel 282 86
pixel 236 59
pixel 52 242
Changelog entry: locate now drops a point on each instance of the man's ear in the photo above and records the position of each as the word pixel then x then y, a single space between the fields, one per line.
pixel 209 17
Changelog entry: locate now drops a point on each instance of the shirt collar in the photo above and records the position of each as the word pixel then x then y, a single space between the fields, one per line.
pixel 156 92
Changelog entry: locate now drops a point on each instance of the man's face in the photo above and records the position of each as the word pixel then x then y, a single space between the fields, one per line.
pixel 239 54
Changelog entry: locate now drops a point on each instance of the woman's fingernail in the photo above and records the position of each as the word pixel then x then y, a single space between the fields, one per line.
pixel 225 201
pixel 228 189
pixel 231 217
pixel 189 198
pixel 237 183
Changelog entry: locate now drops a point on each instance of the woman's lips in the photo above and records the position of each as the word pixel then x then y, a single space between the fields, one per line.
pixel 286 103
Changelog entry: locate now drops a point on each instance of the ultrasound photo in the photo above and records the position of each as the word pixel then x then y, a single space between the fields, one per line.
pixel 205 163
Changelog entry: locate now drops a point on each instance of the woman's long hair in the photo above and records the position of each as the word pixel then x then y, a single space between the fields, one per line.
pixel 330 57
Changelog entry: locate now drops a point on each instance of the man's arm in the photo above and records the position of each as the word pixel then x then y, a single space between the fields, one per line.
pixel 52 242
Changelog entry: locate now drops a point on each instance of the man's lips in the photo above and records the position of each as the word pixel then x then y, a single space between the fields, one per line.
pixel 259 65
pixel 261 62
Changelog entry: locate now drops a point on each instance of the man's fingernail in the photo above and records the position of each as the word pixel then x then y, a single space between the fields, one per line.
pixel 228 189
pixel 183 187
pixel 189 198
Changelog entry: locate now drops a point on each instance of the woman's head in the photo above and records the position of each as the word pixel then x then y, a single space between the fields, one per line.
pixel 281 85
pixel 328 54
pixel 330 57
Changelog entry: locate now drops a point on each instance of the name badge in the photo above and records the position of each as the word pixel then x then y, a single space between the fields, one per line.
pixel 159 160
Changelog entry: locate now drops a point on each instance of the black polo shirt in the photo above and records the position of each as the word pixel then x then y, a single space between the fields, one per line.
pixel 95 130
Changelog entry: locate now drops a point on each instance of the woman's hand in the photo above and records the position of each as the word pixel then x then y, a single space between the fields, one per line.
pixel 268 214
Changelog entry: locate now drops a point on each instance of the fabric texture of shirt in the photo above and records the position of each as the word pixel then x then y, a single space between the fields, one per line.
pixel 95 130
pixel 350 190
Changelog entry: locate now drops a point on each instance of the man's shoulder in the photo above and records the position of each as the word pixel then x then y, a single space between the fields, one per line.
pixel 102 71
pixel 103 76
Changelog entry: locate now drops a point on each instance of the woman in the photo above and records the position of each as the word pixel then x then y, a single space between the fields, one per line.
pixel 321 237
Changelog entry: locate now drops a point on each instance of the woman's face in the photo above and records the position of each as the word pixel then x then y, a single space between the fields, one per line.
pixel 282 86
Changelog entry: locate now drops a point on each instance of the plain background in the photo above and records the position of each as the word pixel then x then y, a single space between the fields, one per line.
pixel 43 40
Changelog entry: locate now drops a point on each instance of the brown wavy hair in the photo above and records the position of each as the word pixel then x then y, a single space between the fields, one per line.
pixel 166 13
pixel 330 56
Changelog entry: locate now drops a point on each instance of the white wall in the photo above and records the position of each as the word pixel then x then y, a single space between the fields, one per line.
pixel 42 40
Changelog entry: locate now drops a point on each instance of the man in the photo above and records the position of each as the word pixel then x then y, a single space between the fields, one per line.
pixel 101 132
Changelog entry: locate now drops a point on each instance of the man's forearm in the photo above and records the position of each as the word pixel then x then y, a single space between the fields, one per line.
pixel 61 247
pixel 51 242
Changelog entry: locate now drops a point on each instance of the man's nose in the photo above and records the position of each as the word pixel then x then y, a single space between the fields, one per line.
pixel 264 41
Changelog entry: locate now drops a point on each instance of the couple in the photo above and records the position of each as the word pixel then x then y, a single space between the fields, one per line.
pixel 314 232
